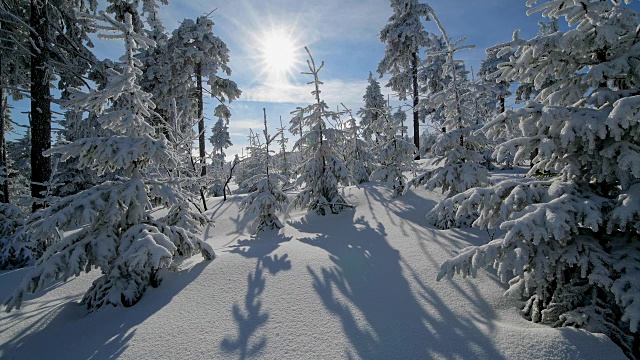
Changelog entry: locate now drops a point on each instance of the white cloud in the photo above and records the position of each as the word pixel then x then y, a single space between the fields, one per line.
pixel 333 92
pixel 239 124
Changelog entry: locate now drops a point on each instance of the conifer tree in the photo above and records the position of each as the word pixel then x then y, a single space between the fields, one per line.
pixel 458 148
pixel 285 167
pixel 571 246
pixel 322 170
pixel 267 199
pixel 372 115
pixel 196 54
pixel 116 230
pixel 404 36
pixel 358 157
pixel 394 157
pixel 220 139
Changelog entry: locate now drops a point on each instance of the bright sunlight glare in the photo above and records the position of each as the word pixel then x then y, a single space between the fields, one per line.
pixel 279 53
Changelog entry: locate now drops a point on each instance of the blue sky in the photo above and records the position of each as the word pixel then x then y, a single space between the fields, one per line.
pixel 343 33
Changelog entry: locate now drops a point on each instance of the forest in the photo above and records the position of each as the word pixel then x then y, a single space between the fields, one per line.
pixel 521 179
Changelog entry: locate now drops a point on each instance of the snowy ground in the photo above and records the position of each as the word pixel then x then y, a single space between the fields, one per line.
pixel 360 284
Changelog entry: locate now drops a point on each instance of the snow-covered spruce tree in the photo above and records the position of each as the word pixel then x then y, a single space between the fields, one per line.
pixel 394 156
pixel 456 151
pixel 252 164
pixel 14 251
pixel 220 140
pixel 116 231
pixel 488 68
pixel 404 36
pixel 195 54
pixel 19 162
pixel 372 115
pixel 321 170
pixel 180 144
pixel 433 77
pixel 527 89
pixel 358 157
pixel 285 166
pixel 399 117
pixel 268 198
pixel 572 241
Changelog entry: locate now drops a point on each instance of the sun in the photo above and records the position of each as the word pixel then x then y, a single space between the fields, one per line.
pixel 279 53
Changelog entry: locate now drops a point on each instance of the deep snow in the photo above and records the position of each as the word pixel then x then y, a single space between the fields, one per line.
pixel 360 284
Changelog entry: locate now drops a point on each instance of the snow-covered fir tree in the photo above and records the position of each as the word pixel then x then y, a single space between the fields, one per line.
pixel 394 157
pixel 322 171
pixel 15 252
pixel 457 150
pixel 433 77
pixel 220 140
pixel 252 163
pixel 488 68
pixel 400 117
pixel 285 160
pixel 196 54
pixel 19 171
pixel 115 229
pixel 372 115
pixel 268 198
pixel 404 35
pixel 358 157
pixel 571 246
pixel 526 89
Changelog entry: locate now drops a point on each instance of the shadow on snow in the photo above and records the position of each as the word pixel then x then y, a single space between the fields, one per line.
pixel 367 280
pixel 253 316
pixel 76 332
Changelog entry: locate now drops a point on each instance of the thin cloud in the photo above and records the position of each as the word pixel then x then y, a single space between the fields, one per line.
pixel 332 92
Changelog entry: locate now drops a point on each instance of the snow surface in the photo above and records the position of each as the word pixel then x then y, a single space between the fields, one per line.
pixel 360 284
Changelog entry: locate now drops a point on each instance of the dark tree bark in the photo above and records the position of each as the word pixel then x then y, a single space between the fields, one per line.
pixel 201 140
pixel 416 119
pixel 40 102
pixel 3 144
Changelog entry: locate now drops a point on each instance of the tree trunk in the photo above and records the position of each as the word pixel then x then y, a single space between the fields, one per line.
pixel 3 146
pixel 40 103
pixel 201 142
pixel 502 105
pixel 416 120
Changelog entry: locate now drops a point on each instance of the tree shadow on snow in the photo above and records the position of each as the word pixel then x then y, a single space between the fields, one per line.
pixel 260 245
pixel 367 278
pixel 251 316
pixel 249 320
pixel 70 327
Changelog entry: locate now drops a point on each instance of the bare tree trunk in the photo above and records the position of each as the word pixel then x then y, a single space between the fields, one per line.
pixel 204 200
pixel 416 120
pixel 226 183
pixel 201 140
pixel 40 102
pixel 3 144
